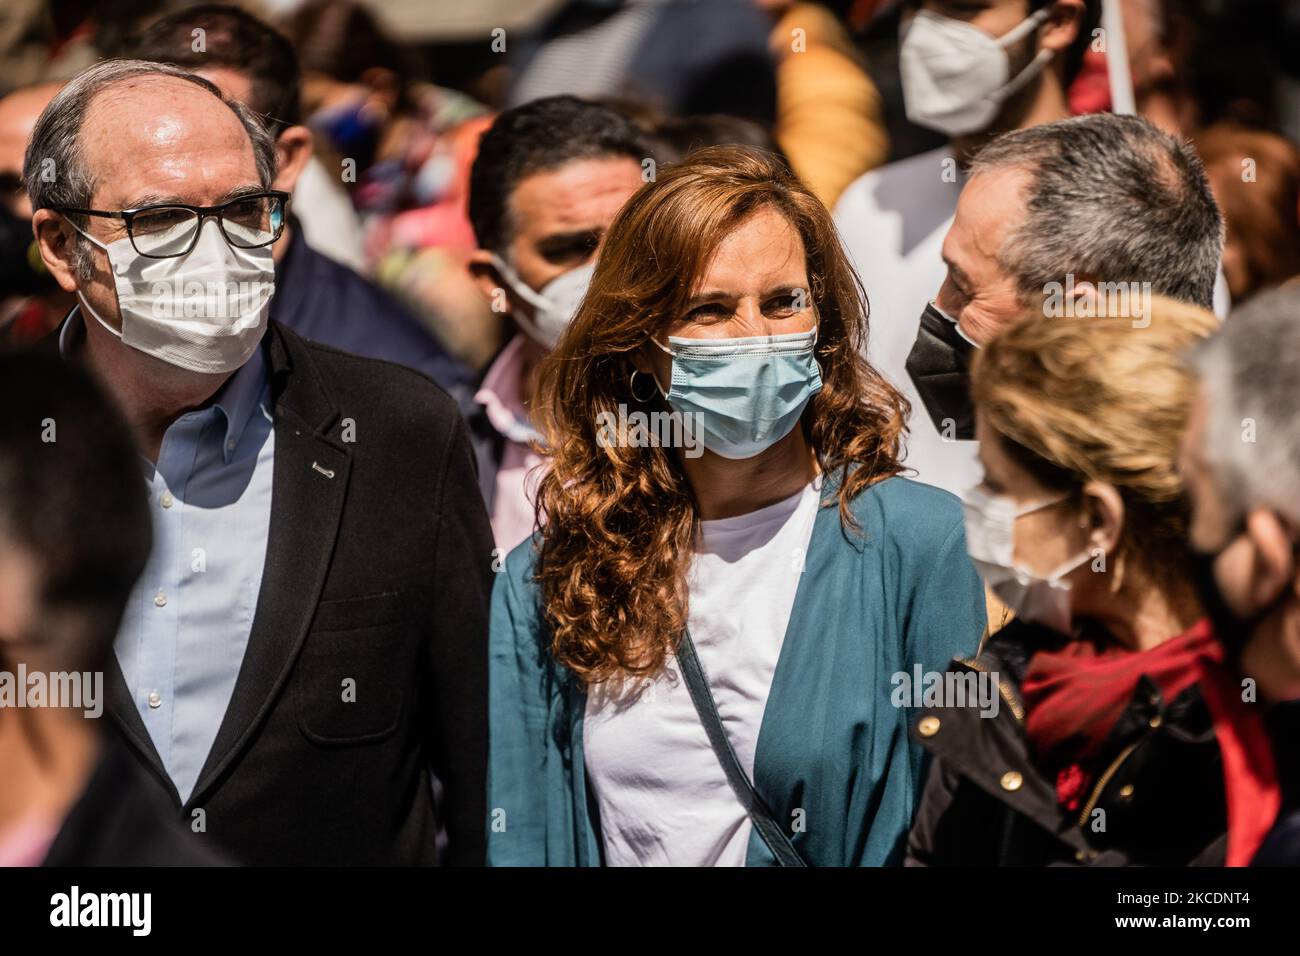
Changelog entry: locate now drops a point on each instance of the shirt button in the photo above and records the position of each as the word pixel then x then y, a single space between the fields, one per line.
pixel 166 500
pixel 160 599
pixel 155 699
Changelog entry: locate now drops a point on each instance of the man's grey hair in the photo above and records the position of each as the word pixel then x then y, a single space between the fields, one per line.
pixel 54 167
pixel 1250 382
pixel 1113 199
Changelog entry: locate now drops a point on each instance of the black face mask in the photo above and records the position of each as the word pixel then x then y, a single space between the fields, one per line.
pixel 1229 627
pixel 21 270
pixel 1232 630
pixel 939 365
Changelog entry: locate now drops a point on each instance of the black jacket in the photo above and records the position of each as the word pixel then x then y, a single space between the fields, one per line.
pixel 120 819
pixel 1159 799
pixel 378 570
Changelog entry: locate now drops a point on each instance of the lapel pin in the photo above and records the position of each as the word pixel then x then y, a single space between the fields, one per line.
pixel 327 472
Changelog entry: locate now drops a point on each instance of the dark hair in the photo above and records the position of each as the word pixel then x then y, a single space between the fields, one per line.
pixel 541 135
pixel 342 39
pixel 234 40
pixel 71 493
pixel 1110 197
pixel 682 135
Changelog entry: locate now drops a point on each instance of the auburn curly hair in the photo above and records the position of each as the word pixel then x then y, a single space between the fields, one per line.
pixel 619 523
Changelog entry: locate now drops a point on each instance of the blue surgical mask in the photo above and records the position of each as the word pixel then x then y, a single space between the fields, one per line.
pixel 746 393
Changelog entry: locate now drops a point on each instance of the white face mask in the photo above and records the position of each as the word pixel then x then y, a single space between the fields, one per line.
pixel 955 76
pixel 555 306
pixel 991 543
pixel 204 311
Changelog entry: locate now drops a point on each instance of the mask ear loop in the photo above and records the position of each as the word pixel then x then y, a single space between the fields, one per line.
pixel 663 392
pixel 1070 565
pixel 1034 66
pixel 520 288
pixel 81 299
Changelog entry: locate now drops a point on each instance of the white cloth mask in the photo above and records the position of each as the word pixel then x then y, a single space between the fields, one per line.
pixel 555 306
pixel 204 311
pixel 955 76
pixel 990 541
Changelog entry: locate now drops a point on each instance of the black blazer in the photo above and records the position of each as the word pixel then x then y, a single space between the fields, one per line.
pixel 121 819
pixel 378 571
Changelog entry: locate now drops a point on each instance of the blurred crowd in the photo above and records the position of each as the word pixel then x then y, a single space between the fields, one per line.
pixel 590 385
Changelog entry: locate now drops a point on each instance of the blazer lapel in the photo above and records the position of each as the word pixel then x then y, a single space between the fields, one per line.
pixel 308 489
pixel 123 711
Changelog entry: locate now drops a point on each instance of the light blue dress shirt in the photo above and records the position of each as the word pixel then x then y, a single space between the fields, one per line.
pixel 188 620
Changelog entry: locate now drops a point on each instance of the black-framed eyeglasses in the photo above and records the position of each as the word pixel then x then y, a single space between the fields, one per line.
pixel 166 230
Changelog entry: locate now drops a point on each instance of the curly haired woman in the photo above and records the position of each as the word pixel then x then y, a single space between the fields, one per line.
pixel 694 660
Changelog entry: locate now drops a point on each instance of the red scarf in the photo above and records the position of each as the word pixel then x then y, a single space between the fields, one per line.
pixel 1075 696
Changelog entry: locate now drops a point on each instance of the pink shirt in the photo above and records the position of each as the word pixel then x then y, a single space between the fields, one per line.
pixel 515 490
pixel 28 841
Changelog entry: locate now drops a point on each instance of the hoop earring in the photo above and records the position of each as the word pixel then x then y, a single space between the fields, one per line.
pixel 631 382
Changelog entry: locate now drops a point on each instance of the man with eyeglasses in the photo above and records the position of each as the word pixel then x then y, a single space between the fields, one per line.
pixel 308 639
pixel 319 298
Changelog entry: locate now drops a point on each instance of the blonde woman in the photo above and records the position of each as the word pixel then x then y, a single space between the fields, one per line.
pixel 1124 739
pixel 697 659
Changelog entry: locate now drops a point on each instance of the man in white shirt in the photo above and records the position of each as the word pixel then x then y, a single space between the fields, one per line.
pixel 970 75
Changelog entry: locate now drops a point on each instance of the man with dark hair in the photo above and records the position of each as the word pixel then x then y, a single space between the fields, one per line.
pixel 74 537
pixel 969 71
pixel 546 184
pixel 1080 217
pixel 216 38
pixel 319 298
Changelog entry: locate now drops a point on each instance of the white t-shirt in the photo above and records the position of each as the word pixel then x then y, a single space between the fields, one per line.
pixel 893 221
pixel 663 796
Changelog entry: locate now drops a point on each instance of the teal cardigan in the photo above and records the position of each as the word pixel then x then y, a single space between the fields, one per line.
pixel 833 755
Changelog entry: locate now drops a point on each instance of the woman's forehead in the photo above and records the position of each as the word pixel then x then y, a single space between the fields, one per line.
pixel 762 250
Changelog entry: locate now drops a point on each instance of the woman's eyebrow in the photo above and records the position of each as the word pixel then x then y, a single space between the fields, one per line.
pixel 715 295
pixel 712 295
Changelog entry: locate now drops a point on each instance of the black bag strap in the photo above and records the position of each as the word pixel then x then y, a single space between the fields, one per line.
pixel 772 833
